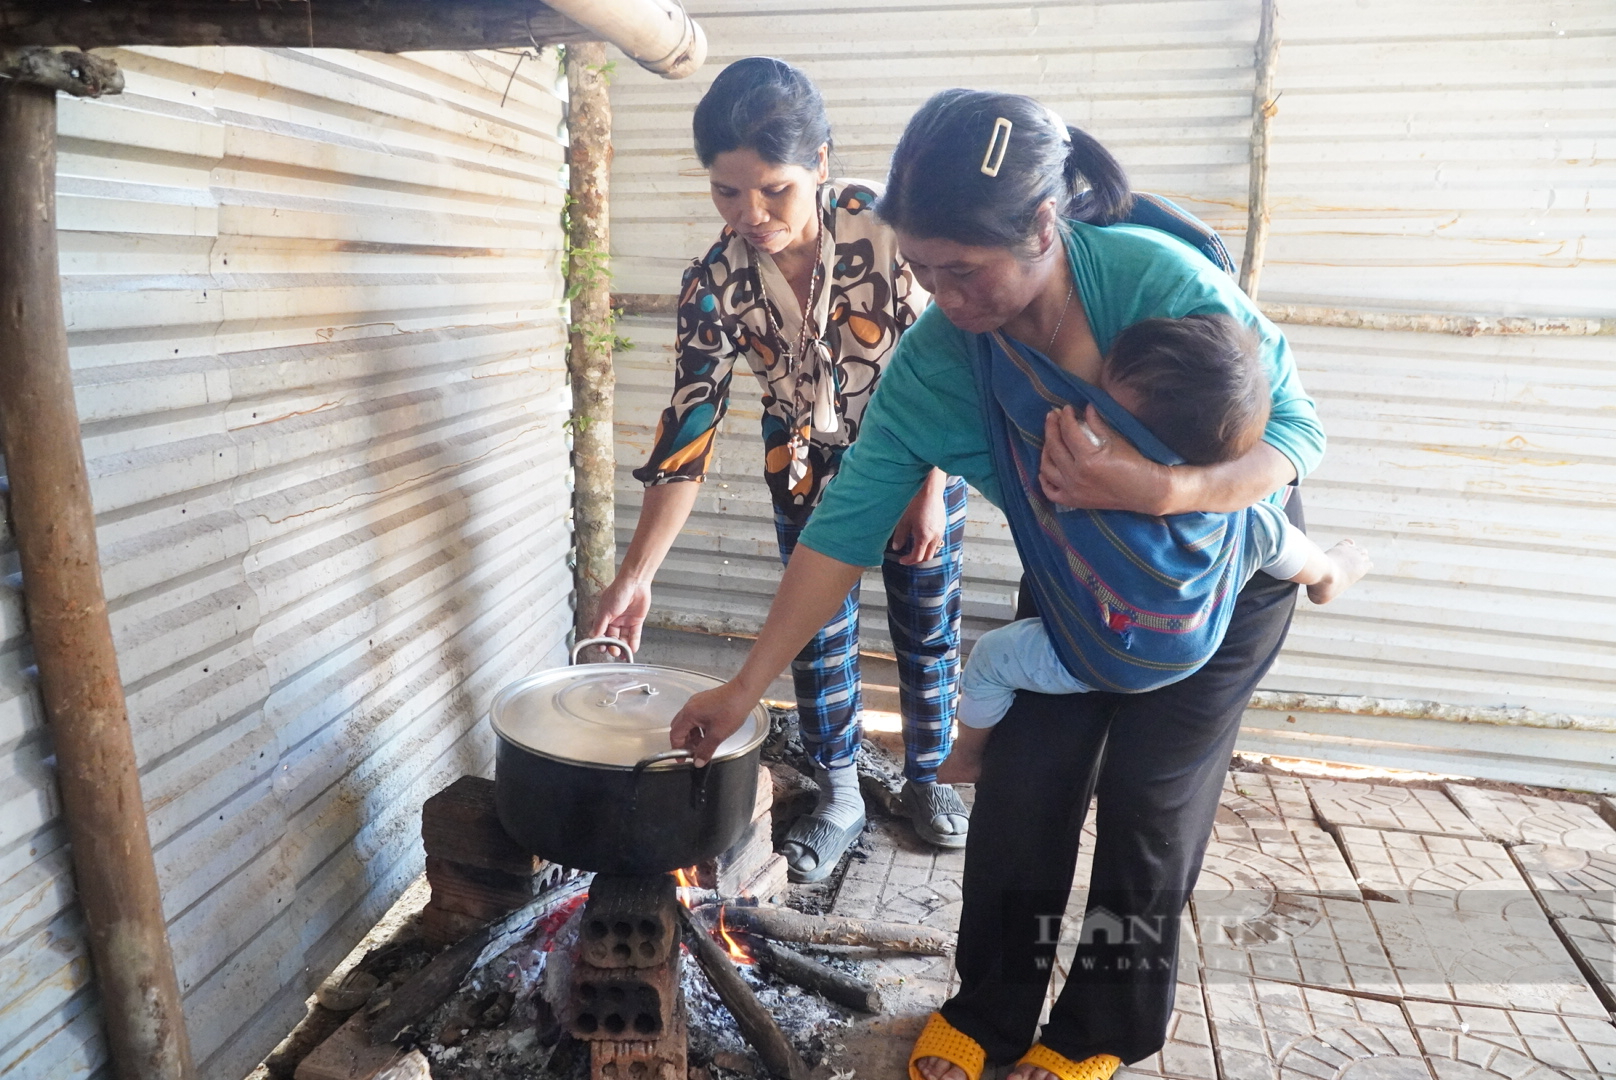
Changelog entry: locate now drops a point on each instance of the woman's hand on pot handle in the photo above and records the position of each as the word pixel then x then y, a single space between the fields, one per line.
pixel 924 524
pixel 810 593
pixel 709 718
pixel 1087 465
pixel 621 610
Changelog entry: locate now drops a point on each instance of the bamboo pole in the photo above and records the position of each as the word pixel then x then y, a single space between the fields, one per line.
pixel 1262 112
pixel 54 526
pixel 589 355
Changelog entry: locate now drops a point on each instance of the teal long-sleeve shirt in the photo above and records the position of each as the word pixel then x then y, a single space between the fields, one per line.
pixel 926 411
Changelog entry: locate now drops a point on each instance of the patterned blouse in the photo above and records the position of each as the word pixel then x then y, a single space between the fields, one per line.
pixel 734 302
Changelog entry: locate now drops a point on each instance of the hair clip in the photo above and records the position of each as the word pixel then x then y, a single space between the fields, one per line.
pixel 1064 133
pixel 1001 124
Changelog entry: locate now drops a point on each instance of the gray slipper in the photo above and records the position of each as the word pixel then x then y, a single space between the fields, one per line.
pixel 928 802
pixel 826 841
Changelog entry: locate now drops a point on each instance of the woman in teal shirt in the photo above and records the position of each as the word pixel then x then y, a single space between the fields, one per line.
pixel 1009 218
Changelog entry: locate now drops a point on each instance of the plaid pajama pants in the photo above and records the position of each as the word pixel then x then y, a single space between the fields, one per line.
pixel 923 613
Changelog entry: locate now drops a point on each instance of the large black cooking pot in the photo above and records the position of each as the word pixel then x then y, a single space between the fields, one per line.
pixel 584 775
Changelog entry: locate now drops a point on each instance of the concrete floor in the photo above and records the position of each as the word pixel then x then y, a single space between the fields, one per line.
pixel 1339 931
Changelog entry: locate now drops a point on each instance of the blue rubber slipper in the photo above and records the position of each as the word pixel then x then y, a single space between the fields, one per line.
pixel 928 802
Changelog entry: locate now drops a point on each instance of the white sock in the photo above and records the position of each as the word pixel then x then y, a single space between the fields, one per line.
pixel 840 802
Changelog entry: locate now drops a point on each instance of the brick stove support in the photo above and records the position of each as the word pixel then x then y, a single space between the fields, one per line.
pixel 476 871
pixel 750 867
pixel 666 1058
pixel 618 1003
pixel 630 921
pixel 625 981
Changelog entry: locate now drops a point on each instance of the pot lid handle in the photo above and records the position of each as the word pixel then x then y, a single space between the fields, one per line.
pixel 572 656
pixel 643 688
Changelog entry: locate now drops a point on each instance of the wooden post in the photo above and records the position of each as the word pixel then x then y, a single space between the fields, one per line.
pixel 1262 113
pixel 54 526
pixel 589 357
pixel 377 25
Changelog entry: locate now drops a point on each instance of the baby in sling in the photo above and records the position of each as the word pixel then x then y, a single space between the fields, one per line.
pixel 1128 602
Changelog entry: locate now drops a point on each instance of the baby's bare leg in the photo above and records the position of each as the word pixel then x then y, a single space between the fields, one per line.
pixel 964 762
pixel 1328 574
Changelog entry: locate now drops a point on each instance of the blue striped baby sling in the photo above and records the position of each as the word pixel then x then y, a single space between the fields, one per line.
pixel 1131 602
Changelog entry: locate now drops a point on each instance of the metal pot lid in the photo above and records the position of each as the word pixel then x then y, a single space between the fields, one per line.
pixel 613 715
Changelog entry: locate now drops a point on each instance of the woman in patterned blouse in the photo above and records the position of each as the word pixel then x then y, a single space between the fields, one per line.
pixel 807 287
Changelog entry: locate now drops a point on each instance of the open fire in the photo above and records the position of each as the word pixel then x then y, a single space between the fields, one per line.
pixel 737 952
pixel 690 893
pixel 648 972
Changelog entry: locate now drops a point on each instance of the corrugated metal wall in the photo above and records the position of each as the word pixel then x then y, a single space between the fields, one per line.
pixel 1429 156
pixel 317 327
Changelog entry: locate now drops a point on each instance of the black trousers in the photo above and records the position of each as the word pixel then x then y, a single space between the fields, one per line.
pixel 1156 762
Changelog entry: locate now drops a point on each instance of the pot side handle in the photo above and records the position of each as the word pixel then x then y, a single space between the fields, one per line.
pixel 666 755
pixel 646 762
pixel 572 656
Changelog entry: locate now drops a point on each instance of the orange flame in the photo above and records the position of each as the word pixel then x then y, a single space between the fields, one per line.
pixel 685 880
pixel 733 947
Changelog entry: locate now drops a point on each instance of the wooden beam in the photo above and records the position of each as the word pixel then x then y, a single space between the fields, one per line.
pixel 375 25
pixel 54 526
pixel 67 70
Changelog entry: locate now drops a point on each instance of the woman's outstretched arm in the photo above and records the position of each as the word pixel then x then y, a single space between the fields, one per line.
pixel 810 593
pixel 621 610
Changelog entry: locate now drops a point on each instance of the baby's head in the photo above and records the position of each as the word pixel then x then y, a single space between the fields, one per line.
pixel 1195 382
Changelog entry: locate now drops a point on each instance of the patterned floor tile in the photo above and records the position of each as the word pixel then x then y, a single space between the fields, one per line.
pixel 1595 944
pixel 1298 859
pixel 1528 819
pixel 1188 1053
pixel 1273 1031
pixel 1085 856
pixel 1510 962
pixel 1388 806
pixel 1573 883
pixel 1466 1043
pixel 1258 798
pixel 1444 872
pixel 897 877
pixel 1314 940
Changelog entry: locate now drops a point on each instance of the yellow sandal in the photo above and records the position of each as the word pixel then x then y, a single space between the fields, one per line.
pixel 1098 1067
pixel 940 1039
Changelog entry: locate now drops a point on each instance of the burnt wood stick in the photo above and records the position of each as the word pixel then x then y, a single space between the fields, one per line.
pixel 431 986
pixel 829 983
pixel 757 1026
pixel 784 924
